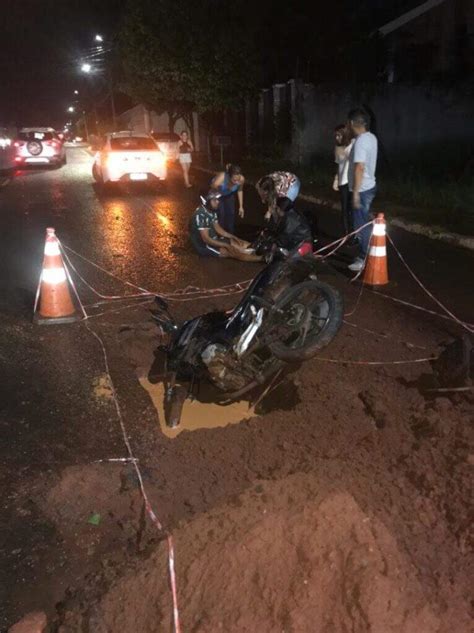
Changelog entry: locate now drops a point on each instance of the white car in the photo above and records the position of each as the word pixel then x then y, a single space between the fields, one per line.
pixel 39 145
pixel 129 157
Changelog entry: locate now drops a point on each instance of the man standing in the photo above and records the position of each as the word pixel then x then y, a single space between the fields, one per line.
pixel 362 164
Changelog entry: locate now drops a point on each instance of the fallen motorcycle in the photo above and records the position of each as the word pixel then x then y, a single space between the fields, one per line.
pixel 286 315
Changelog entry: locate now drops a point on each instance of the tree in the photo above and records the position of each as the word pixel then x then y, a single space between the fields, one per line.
pixel 178 56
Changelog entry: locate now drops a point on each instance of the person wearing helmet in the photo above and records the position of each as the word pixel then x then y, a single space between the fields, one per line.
pixel 210 239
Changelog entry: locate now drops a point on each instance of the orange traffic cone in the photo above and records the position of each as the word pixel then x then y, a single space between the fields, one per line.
pixel 375 271
pixel 53 295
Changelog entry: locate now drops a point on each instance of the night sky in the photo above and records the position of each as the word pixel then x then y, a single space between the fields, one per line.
pixel 42 42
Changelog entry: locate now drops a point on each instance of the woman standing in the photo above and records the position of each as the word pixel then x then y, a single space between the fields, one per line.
pixel 228 183
pixel 342 152
pixel 279 184
pixel 185 156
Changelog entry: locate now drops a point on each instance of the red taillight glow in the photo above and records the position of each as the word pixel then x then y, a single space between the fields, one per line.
pixel 18 159
pixel 18 144
pixel 305 249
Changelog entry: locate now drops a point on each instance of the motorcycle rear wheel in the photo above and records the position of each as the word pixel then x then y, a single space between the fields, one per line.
pixel 311 312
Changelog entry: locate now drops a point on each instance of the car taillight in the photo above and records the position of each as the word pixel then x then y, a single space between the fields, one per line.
pixel 18 144
pixel 305 249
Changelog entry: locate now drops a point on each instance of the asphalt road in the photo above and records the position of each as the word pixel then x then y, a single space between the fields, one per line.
pixel 142 235
pixel 47 414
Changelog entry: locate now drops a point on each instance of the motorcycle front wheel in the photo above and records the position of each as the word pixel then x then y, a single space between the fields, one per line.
pixel 307 318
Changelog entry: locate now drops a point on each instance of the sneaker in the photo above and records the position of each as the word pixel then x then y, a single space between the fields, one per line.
pixel 357 265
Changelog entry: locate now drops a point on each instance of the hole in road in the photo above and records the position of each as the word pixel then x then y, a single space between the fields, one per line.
pixel 140 341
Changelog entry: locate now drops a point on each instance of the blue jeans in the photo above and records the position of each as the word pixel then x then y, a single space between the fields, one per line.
pixel 361 216
pixel 294 190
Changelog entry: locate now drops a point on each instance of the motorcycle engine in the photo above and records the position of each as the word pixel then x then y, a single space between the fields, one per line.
pixel 223 368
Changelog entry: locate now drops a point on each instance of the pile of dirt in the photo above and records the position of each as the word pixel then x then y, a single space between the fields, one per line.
pixel 282 557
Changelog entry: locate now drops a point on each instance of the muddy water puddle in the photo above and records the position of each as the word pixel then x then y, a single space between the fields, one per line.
pixel 139 343
pixel 197 414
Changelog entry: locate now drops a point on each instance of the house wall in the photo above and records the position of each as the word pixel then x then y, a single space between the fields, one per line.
pixel 142 120
pixel 439 42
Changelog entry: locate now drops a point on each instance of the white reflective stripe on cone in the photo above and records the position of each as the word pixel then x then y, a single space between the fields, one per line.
pixel 53 275
pixel 379 229
pixel 378 251
pixel 52 248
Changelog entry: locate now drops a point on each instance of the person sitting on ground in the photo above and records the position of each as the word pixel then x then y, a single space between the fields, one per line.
pixel 279 184
pixel 229 183
pixel 210 239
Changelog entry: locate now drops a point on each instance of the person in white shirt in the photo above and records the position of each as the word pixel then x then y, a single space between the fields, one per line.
pixel 342 150
pixel 362 182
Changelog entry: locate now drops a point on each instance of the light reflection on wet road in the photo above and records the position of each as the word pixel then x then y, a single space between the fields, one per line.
pixel 137 233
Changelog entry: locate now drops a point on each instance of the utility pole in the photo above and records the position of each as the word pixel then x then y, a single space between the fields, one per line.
pixel 112 101
pixel 86 128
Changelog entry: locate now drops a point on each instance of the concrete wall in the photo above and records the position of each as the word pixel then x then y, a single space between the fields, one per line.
pixel 405 117
pixel 142 120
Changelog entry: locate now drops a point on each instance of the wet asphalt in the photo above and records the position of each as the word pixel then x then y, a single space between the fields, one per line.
pixel 141 234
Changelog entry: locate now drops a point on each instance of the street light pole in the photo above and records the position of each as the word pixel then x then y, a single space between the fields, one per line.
pixel 86 128
pixel 99 39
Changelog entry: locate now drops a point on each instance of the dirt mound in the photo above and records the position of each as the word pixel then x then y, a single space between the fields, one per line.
pixel 280 558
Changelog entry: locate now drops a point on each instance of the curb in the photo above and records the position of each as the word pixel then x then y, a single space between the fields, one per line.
pixel 432 232
pixel 435 233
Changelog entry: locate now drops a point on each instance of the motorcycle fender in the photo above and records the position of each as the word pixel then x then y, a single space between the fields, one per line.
pixel 248 335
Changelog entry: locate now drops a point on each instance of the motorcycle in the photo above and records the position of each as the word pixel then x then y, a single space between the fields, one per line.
pixel 286 315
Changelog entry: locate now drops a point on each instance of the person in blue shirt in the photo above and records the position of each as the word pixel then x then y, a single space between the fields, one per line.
pixel 229 183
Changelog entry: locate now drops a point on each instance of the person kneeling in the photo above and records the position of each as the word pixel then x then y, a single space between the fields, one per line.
pixel 210 239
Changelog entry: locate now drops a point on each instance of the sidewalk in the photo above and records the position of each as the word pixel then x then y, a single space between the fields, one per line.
pixel 394 212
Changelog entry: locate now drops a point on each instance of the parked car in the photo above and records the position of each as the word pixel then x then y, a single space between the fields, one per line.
pixel 129 156
pixel 7 151
pixel 39 145
pixel 168 143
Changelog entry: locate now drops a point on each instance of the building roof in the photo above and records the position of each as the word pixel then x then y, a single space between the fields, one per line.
pixel 407 17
